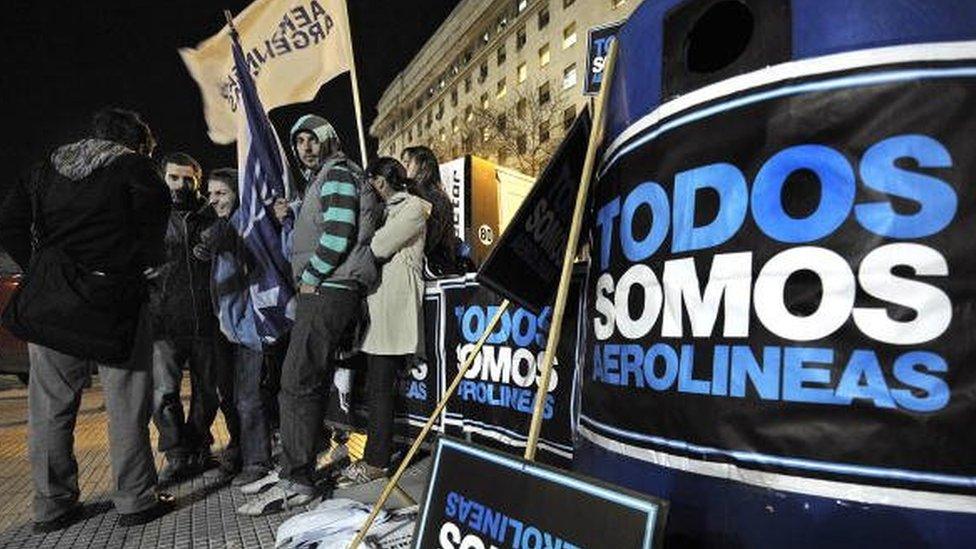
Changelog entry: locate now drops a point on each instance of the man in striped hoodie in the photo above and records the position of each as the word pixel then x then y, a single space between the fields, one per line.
pixel 334 268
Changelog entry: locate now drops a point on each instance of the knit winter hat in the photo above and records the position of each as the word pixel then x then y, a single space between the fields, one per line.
pixel 319 126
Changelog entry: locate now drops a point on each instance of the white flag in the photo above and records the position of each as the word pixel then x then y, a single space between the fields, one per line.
pixel 292 48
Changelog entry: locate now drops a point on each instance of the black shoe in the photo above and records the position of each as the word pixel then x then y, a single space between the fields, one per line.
pixel 162 507
pixel 176 470
pixel 65 520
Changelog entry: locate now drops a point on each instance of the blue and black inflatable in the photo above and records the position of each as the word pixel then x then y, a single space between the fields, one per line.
pixel 669 49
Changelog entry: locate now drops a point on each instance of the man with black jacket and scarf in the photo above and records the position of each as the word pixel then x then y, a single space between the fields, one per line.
pixel 96 208
pixel 185 334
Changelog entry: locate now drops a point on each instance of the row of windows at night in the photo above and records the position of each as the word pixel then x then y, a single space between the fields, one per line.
pixel 569 39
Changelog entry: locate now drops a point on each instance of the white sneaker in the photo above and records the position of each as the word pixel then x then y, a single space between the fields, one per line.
pixel 261 484
pixel 274 500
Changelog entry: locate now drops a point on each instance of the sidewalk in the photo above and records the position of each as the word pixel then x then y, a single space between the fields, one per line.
pixel 204 517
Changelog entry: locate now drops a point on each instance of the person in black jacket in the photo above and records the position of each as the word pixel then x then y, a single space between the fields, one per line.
pixel 99 203
pixel 185 334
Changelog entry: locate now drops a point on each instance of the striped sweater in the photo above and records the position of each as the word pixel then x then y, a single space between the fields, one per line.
pixel 338 211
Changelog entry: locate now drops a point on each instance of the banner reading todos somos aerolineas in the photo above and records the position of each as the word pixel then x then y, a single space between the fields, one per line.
pixel 292 48
pixel 783 281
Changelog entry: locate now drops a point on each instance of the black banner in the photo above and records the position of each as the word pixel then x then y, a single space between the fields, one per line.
pixel 495 400
pixel 480 499
pixel 525 264
pixel 785 280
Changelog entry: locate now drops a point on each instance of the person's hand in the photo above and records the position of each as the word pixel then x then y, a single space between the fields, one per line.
pixel 281 209
pixel 306 289
pixel 203 252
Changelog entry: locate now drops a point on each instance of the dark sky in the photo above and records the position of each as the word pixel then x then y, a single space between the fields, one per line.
pixel 63 60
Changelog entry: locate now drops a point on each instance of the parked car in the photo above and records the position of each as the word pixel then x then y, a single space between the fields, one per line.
pixel 13 352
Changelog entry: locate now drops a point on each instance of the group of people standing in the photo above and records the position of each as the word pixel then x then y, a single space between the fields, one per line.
pixel 358 242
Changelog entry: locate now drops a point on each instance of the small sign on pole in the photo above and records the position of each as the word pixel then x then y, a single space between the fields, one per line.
pixel 597 46
pixel 481 498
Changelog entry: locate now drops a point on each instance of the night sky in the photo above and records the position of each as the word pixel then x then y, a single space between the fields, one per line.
pixel 63 60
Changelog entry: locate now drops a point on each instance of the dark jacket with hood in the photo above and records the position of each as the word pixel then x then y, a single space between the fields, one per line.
pixel 102 204
pixel 180 295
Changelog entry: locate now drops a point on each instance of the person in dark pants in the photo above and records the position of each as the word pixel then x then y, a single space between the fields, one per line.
pixel 395 332
pixel 100 203
pixel 331 259
pixel 233 267
pixel 185 335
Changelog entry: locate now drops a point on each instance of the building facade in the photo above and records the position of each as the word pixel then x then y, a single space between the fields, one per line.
pixel 500 79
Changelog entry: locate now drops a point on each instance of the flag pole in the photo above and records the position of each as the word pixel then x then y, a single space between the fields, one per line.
pixel 562 293
pixel 355 88
pixel 405 462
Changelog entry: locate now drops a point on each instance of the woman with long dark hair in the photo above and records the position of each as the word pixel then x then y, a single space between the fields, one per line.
pixel 441 247
pixel 396 329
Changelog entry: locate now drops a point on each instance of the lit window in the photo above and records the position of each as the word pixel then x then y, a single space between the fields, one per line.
pixel 522 4
pixel 468 113
pixel 569 76
pixel 523 72
pixel 569 35
pixel 501 89
pixel 485 133
pixel 544 18
pixel 443 135
pixel 544 55
pixel 484 100
pixel 454 125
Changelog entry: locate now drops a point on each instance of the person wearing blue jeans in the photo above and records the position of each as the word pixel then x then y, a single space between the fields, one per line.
pixel 232 267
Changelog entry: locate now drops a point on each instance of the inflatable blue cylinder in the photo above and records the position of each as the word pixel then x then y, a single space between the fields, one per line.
pixel 780 303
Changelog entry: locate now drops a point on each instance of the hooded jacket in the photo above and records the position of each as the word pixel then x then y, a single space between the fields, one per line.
pixel 335 224
pixel 101 203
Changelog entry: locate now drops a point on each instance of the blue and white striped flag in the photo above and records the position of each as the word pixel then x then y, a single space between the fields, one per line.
pixel 263 173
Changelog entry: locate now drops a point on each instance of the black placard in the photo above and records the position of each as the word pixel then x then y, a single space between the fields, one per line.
pixel 525 264
pixel 479 498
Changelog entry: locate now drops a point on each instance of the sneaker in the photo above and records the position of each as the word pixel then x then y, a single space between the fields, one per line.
pixel 163 506
pixel 358 473
pixel 176 470
pixel 60 523
pixel 260 484
pixel 275 500
pixel 250 474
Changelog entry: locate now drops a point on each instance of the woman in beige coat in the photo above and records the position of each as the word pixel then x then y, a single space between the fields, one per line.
pixel 396 330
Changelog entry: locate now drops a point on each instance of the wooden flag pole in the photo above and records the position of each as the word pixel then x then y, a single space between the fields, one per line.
pixel 562 293
pixel 405 462
pixel 355 90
